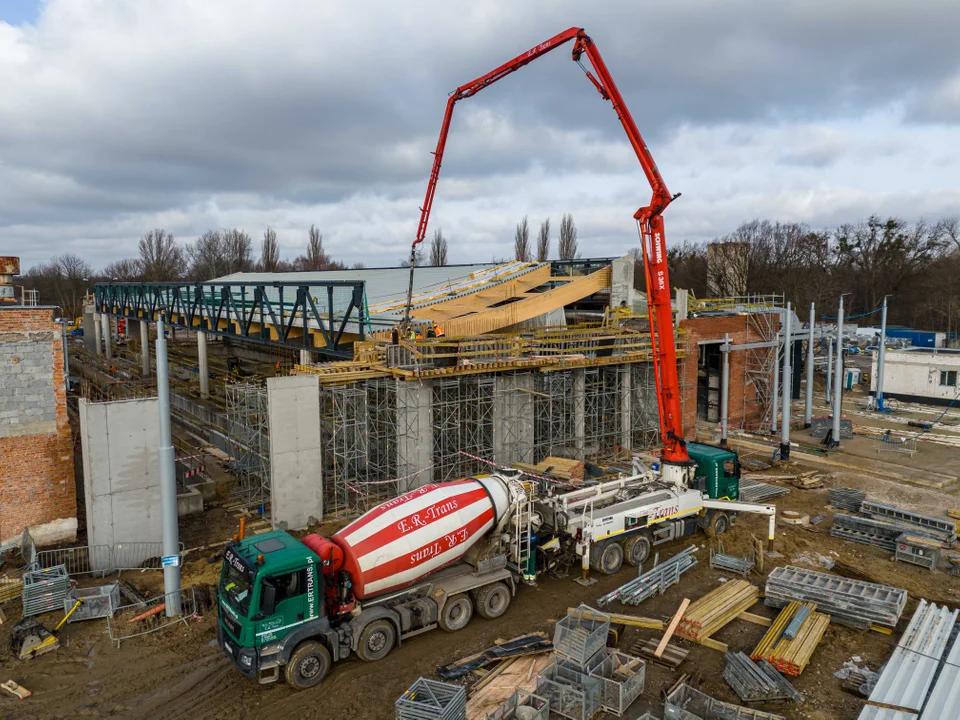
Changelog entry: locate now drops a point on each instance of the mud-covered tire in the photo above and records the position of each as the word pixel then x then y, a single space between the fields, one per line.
pixel 719 523
pixel 376 641
pixel 308 665
pixel 492 601
pixel 636 550
pixel 610 559
pixel 456 613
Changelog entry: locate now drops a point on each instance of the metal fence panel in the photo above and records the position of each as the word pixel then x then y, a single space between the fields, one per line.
pixel 83 560
pixel 124 624
pixel 44 590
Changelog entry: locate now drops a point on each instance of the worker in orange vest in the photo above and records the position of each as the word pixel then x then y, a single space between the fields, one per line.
pixel 438 329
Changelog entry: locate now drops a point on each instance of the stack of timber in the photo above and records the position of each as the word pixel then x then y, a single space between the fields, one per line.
pixel 856 603
pixel 792 656
pixel 846 498
pixel 563 468
pixel 530 644
pixel 716 609
pixel 502 682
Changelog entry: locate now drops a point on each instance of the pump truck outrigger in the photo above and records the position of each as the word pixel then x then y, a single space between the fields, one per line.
pixel 440 553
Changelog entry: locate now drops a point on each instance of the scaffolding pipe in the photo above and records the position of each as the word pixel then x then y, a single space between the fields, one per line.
pixel 787 385
pixel 808 405
pixel 838 378
pixel 168 483
pixel 725 392
pixel 881 354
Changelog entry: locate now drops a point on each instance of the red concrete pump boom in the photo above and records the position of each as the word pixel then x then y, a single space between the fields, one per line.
pixel 649 223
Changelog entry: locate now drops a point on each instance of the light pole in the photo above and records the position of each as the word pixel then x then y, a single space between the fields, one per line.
pixel 881 353
pixel 168 483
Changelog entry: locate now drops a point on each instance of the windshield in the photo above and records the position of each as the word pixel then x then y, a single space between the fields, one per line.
pixel 235 587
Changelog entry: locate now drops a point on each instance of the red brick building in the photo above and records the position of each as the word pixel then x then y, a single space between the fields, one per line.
pixel 37 485
pixel 701 370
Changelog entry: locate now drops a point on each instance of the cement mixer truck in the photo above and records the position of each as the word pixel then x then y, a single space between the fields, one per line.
pixel 429 558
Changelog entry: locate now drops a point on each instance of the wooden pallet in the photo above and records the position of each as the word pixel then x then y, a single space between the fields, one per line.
pixel 671 658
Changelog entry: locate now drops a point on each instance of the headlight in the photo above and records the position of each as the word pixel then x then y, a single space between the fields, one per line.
pixel 246 659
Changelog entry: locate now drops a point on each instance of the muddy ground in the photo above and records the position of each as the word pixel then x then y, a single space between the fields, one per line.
pixel 179 671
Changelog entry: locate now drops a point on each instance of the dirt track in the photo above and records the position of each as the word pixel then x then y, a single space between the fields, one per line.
pixel 179 672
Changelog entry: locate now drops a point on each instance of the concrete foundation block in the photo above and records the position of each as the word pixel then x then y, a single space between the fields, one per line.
pixel 190 502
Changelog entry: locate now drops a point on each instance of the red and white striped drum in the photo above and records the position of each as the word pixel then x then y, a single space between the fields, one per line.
pixel 404 539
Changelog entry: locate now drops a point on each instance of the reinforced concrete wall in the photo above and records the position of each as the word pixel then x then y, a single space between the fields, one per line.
pixel 296 475
pixel 121 476
pixel 36 446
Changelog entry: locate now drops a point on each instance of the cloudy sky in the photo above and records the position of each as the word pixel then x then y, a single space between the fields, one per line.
pixel 117 116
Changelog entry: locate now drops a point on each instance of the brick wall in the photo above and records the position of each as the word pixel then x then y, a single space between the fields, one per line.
pixel 744 411
pixel 37 486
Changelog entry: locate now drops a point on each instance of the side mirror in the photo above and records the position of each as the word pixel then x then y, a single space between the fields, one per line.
pixel 268 599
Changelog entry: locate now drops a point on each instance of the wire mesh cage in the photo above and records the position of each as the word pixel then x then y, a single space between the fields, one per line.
pixel 522 705
pixel 581 635
pixel 622 678
pixel 432 700
pixel 571 693
pixel 44 590
pixel 96 602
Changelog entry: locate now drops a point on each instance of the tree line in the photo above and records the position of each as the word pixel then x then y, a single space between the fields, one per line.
pixel 916 264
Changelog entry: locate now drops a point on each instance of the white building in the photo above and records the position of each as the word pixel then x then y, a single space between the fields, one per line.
pixel 927 375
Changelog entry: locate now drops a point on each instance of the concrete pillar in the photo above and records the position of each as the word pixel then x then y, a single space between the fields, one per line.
pixel 513 408
pixel 108 354
pixel 621 282
pixel 881 355
pixel 97 326
pixel 579 411
pixel 203 366
pixel 626 409
pixel 414 433
pixel 808 405
pixel 306 356
pixel 144 349
pixel 90 335
pixel 787 384
pixel 838 378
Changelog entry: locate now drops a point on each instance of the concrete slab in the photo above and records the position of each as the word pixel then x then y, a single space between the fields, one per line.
pixel 296 476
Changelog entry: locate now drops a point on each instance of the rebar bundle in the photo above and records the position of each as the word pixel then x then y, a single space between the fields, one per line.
pixel 757 681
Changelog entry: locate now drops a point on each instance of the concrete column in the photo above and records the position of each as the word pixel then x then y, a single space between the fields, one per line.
pixel 144 348
pixel 89 334
pixel 97 326
pixel 168 482
pixel 787 385
pixel 725 392
pixel 838 378
pixel 306 356
pixel 202 365
pixel 626 409
pixel 415 432
pixel 808 406
pixel 579 411
pixel 108 354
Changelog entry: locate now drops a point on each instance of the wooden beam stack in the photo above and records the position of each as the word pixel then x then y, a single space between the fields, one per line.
pixel 716 609
pixel 792 656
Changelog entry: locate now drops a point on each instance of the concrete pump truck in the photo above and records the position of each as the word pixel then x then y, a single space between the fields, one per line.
pixel 437 555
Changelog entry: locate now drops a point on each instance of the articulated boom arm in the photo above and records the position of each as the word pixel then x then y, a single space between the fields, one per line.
pixel 649 224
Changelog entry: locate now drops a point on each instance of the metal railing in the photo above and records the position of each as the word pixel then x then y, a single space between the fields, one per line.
pixel 134 620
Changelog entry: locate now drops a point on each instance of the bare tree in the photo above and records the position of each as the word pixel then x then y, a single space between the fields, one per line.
pixel 62 281
pixel 948 230
pixel 220 252
pixel 126 270
pixel 438 248
pixel 521 241
pixel 161 259
pixel 419 258
pixel 269 251
pixel 238 247
pixel 543 241
pixel 568 238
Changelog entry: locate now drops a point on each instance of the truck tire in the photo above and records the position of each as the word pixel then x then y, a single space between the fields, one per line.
pixel 308 665
pixel 610 559
pixel 636 549
pixel 456 613
pixel 492 601
pixel 376 640
pixel 719 524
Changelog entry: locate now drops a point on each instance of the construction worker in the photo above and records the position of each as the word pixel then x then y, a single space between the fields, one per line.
pixel 438 329
pixel 419 335
pixel 431 333
pixel 395 335
pixel 411 334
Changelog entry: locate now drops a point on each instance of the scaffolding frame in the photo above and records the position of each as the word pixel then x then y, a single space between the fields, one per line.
pixel 556 407
pixel 462 418
pixel 644 413
pixel 249 433
pixel 759 364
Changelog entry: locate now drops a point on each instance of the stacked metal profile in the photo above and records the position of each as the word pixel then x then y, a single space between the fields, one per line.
pixel 622 677
pixel 944 699
pixel 756 491
pixel 909 673
pixel 722 561
pixel 850 602
pixel 792 655
pixel 716 609
pixel 846 498
pixel 44 590
pixel 943 530
pixel 757 681
pixel 652 582
pixel 688 703
pixel 868 531
pixel 918 550
pixel 522 705
pixel 432 700
pixel 579 642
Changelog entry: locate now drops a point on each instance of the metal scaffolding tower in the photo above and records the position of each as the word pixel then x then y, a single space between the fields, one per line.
pixel 645 418
pixel 555 409
pixel 249 433
pixel 462 420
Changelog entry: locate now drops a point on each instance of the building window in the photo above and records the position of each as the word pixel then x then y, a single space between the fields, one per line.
pixel 948 378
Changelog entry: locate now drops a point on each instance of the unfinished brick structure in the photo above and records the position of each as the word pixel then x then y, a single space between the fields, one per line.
pixel 700 372
pixel 37 485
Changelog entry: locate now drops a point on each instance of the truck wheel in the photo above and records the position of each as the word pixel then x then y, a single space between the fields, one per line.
pixel 376 640
pixel 720 523
pixel 610 560
pixel 636 550
pixel 492 601
pixel 307 666
pixel 456 613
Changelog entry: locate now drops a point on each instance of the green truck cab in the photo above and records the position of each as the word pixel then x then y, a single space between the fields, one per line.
pixel 271 609
pixel 718 470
